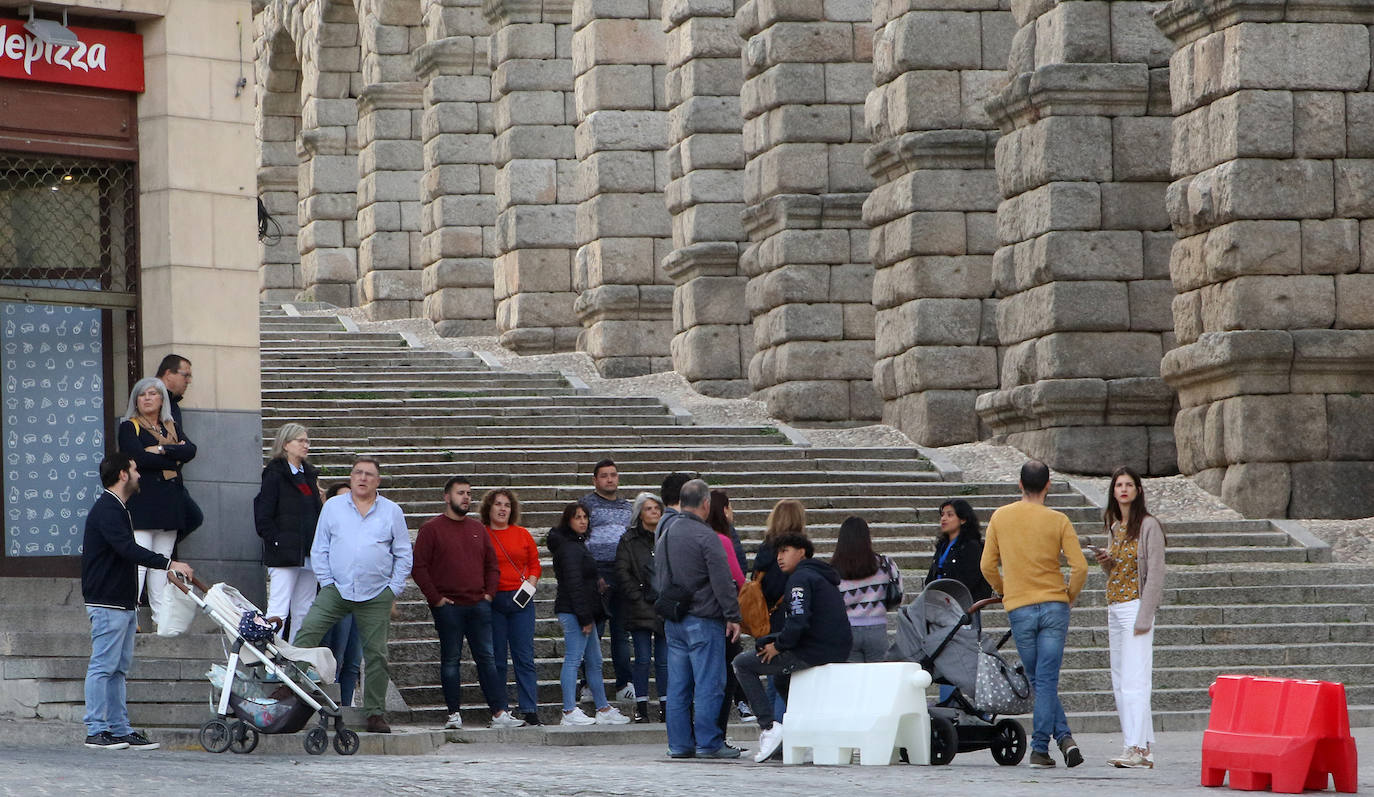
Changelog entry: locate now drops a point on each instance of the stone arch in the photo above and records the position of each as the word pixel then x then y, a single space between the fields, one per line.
pixel 329 148
pixel 279 79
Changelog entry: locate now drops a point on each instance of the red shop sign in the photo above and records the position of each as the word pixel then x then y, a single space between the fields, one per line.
pixel 104 59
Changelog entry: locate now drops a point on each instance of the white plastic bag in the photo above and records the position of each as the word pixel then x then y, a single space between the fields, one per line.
pixel 175 610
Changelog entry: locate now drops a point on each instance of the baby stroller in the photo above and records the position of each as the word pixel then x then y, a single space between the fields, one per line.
pixel 273 693
pixel 940 630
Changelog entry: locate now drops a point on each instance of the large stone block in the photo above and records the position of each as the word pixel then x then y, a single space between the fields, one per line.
pixel 1058 148
pixel 1283 428
pixel 711 300
pixel 945 368
pixel 809 400
pixel 533 270
pixel 842 359
pixel 1331 490
pixel 708 351
pixel 1105 355
pixel 1244 248
pixel 1330 246
pixel 792 322
pixel 935 417
pixel 1300 302
pixel 1055 206
pixel 1355 301
pixel 1063 307
pixel 1087 449
pixel 933 277
pixel 1258 489
pixel 1151 303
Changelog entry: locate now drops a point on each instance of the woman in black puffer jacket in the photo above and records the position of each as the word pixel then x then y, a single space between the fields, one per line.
pixel 285 512
pixel 578 605
pixel 634 568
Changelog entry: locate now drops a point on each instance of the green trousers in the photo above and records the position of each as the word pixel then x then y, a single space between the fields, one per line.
pixel 374 625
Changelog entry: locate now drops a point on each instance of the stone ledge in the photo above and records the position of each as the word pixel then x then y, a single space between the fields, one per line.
pixel 1071 90
pixel 1185 21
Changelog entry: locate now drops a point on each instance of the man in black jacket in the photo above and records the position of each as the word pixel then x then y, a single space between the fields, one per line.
pixel 815 631
pixel 109 564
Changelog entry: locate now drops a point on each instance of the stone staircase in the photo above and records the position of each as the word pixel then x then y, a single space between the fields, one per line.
pixel 1241 596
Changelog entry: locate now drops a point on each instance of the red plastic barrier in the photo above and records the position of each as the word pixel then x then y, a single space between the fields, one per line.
pixel 1278 734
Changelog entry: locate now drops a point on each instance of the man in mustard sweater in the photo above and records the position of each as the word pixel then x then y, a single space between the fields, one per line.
pixel 1025 540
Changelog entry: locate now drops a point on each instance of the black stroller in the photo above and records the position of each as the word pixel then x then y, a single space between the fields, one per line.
pixel 940 630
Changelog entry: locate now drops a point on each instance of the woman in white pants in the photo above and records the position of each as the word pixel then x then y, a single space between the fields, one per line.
pixel 151 438
pixel 1134 563
pixel 285 512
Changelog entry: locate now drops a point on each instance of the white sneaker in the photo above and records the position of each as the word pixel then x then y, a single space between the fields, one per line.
pixel 585 695
pixel 627 692
pixel 506 720
pixel 769 742
pixel 455 722
pixel 576 717
pixel 610 715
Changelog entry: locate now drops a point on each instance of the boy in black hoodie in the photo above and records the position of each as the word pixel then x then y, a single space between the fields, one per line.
pixel 815 631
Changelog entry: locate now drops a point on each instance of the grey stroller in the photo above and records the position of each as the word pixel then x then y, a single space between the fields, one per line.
pixel 941 631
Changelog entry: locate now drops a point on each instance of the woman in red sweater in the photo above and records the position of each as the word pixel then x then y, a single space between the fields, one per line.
pixel 512 625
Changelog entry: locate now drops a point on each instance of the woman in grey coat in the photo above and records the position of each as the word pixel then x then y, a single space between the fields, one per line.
pixel 634 567
pixel 1134 563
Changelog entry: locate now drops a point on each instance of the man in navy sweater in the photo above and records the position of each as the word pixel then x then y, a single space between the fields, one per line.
pixel 109 565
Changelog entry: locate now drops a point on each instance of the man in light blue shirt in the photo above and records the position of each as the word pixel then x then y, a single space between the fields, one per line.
pixel 361 557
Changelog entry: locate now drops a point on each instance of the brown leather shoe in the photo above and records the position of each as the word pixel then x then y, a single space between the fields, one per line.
pixel 377 724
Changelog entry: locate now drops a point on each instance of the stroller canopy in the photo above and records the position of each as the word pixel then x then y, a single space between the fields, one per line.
pixel 925 623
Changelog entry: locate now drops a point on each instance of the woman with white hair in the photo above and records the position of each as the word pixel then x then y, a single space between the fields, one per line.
pixel 285 512
pixel 148 434
pixel 634 567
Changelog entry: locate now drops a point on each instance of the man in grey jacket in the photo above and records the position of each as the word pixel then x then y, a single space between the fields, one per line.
pixel 692 557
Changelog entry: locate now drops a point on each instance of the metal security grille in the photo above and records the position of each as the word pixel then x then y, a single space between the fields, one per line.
pixel 68 225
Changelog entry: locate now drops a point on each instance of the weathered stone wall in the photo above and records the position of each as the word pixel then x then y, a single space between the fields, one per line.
pixel 933 212
pixel 1083 165
pixel 536 177
pixel 278 125
pixel 1274 267
pixel 713 332
pixel 458 213
pixel 807 67
pixel 623 230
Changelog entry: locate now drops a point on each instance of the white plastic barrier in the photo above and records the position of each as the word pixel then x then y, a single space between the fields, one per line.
pixel 875 708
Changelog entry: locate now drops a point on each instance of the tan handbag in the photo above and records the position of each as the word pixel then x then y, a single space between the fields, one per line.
pixel 753 609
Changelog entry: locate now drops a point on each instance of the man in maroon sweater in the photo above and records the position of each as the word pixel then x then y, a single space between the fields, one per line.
pixel 456 568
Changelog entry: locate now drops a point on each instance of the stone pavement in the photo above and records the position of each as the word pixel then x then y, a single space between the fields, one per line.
pixel 509 769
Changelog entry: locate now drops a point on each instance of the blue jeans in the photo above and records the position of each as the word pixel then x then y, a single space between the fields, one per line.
pixel 580 651
pixel 454 623
pixel 696 684
pixel 513 627
pixel 651 647
pixel 620 636
pixel 1039 630
pixel 347 645
pixel 112 653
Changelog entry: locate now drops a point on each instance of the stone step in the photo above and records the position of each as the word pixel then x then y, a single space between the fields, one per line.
pixel 331 336
pixel 925 506
pixel 343 357
pixel 74 667
pixel 39 644
pixel 516 405
pixel 382 384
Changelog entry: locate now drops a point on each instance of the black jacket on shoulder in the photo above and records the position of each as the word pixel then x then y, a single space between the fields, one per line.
pixel 110 558
pixel 284 516
pixel 815 625
pixel 575 569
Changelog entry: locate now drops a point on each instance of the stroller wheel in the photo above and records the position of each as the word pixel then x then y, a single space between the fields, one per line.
pixel 316 741
pixel 1008 743
pixel 214 736
pixel 346 742
pixel 243 738
pixel 944 741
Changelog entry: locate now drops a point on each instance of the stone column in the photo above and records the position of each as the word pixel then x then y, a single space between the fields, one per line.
pixel 536 173
pixel 713 338
pixel 1274 266
pixel 278 126
pixel 1082 164
pixel 389 162
pixel 933 213
pixel 329 154
pixel 459 205
pixel 622 225
pixel 807 72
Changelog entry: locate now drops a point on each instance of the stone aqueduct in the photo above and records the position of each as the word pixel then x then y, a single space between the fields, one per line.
pixel 1106 232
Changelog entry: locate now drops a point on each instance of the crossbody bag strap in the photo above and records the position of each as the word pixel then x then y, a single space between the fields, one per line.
pixel 497 540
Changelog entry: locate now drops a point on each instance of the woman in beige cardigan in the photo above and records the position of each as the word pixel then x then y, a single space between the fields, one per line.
pixel 1134 563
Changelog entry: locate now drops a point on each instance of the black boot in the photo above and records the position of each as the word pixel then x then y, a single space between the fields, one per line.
pixel 642 712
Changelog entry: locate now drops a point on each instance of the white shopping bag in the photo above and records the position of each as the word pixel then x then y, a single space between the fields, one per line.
pixel 175 611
